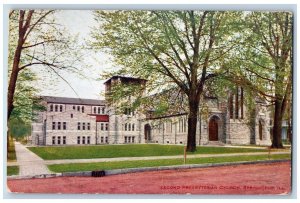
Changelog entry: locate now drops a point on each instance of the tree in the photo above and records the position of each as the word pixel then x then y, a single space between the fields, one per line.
pixel 265 62
pixel 35 39
pixel 182 49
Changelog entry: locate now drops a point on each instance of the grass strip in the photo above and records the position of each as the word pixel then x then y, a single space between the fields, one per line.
pixel 131 150
pixel 159 162
pixel 12 170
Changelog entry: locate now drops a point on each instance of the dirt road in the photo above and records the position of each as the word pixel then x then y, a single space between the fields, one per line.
pixel 272 178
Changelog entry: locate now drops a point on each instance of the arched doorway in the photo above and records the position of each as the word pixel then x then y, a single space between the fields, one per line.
pixel 147 131
pixel 213 129
pixel 260 130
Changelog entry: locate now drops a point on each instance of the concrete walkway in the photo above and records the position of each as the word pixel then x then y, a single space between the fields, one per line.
pixel 66 161
pixel 28 162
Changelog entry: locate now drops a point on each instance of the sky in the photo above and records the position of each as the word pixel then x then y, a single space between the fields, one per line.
pixel 86 86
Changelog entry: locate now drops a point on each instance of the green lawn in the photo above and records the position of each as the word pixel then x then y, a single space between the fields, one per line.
pixel 12 170
pixel 133 150
pixel 58 168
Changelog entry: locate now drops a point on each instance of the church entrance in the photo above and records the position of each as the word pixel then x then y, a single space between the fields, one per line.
pixel 213 129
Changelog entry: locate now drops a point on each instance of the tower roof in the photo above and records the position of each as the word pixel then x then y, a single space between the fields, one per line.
pixel 125 79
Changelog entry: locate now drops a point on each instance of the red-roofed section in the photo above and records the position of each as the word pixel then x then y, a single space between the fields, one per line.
pixel 102 118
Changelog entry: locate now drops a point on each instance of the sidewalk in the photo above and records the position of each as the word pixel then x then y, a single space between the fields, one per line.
pixel 28 162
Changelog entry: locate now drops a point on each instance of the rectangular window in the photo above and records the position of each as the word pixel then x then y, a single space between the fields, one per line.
pixel 102 126
pixel 56 108
pixel 64 125
pixel 103 110
pixel 78 140
pixel 125 139
pixel 129 126
pixel 129 139
pixel 133 127
pixel 132 139
pixel 51 107
pixel 88 140
pixel 71 115
pixel 78 108
pixel 94 110
pixel 128 111
pixel 60 108
pixel 83 140
pixel 53 125
pixel 53 140
pixel 58 125
pixel 101 139
pixel 74 108
pixel 98 110
pixel 83 126
pixel 58 140
pixel 125 126
pixel 82 109
pixel 106 139
pixel 88 126
pixel 78 126
pixel 64 139
pixel 106 126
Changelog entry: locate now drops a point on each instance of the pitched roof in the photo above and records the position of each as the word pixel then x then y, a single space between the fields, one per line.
pixel 68 100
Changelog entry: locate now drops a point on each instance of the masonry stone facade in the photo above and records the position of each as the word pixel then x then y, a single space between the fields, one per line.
pixel 73 121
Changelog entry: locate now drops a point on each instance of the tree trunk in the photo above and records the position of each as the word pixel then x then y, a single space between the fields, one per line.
pixel 192 124
pixel 277 127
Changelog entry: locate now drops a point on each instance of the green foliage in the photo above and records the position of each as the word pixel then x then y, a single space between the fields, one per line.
pixel 263 62
pixel 26 103
pixel 12 170
pixel 111 151
pixel 18 128
pixel 171 49
pixel 59 168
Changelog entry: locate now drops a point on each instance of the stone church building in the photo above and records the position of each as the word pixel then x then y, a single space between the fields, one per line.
pixel 74 121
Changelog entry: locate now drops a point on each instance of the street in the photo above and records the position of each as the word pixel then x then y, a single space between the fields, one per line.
pixel 274 178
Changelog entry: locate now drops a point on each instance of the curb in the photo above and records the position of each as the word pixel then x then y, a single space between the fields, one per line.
pixel 144 169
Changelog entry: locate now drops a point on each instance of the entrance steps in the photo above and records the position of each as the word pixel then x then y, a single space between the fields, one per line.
pixel 215 143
